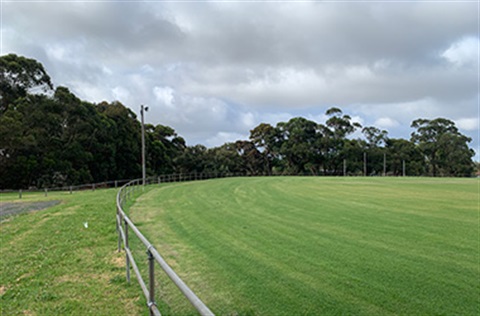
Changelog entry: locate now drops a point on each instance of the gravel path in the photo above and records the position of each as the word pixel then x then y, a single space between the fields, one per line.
pixel 8 209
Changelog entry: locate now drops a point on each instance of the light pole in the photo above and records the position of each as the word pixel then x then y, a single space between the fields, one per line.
pixel 365 164
pixel 384 164
pixel 142 109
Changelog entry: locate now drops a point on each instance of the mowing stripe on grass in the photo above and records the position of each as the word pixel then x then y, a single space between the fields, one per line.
pixel 303 245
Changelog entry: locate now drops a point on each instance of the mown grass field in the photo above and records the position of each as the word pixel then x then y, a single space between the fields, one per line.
pixel 318 246
pixel 51 264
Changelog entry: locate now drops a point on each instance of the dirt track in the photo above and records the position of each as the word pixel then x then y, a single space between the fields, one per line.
pixel 8 209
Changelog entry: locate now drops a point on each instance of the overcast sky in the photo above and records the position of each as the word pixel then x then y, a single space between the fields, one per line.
pixel 214 70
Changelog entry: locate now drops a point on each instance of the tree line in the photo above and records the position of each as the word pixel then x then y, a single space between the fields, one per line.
pixel 49 137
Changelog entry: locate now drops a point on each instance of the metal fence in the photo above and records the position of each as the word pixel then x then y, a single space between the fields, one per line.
pixel 70 188
pixel 125 226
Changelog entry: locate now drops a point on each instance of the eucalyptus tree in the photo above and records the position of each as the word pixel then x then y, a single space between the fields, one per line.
pixel 338 127
pixel 375 150
pixel 193 159
pixel 126 132
pixel 83 141
pixel 299 142
pixel 164 145
pixel 404 153
pixel 252 160
pixel 352 152
pixel 224 159
pixel 444 147
pixel 267 140
pixel 18 77
pixel 53 141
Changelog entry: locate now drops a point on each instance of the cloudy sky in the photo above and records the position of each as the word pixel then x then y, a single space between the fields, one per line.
pixel 213 70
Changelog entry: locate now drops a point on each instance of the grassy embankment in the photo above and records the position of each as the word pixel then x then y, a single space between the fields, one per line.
pixel 318 246
pixel 52 264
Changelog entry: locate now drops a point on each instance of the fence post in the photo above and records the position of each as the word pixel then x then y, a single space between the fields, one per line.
pixel 126 254
pixel 20 193
pixel 71 189
pixel 116 184
pixel 119 223
pixel 151 281
pixel 46 192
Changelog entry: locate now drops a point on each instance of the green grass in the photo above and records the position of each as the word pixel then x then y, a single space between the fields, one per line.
pixel 318 246
pixel 50 264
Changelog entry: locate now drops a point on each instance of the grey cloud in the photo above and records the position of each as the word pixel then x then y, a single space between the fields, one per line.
pixel 232 65
pixel 127 32
pixel 316 33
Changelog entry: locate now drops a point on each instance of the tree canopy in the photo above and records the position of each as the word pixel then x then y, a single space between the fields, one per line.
pixel 49 137
pixel 19 76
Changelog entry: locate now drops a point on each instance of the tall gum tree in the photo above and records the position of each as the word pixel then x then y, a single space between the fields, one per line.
pixel 444 147
pixel 20 76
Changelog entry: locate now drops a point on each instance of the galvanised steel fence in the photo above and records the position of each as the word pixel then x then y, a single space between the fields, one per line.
pixel 124 228
pixel 70 188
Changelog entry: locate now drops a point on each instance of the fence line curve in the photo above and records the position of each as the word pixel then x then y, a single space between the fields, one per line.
pixel 124 226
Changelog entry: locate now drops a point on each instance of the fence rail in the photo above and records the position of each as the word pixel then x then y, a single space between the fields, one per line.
pixel 70 188
pixel 125 226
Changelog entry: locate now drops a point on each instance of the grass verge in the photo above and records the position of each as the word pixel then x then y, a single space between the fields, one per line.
pixel 63 260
